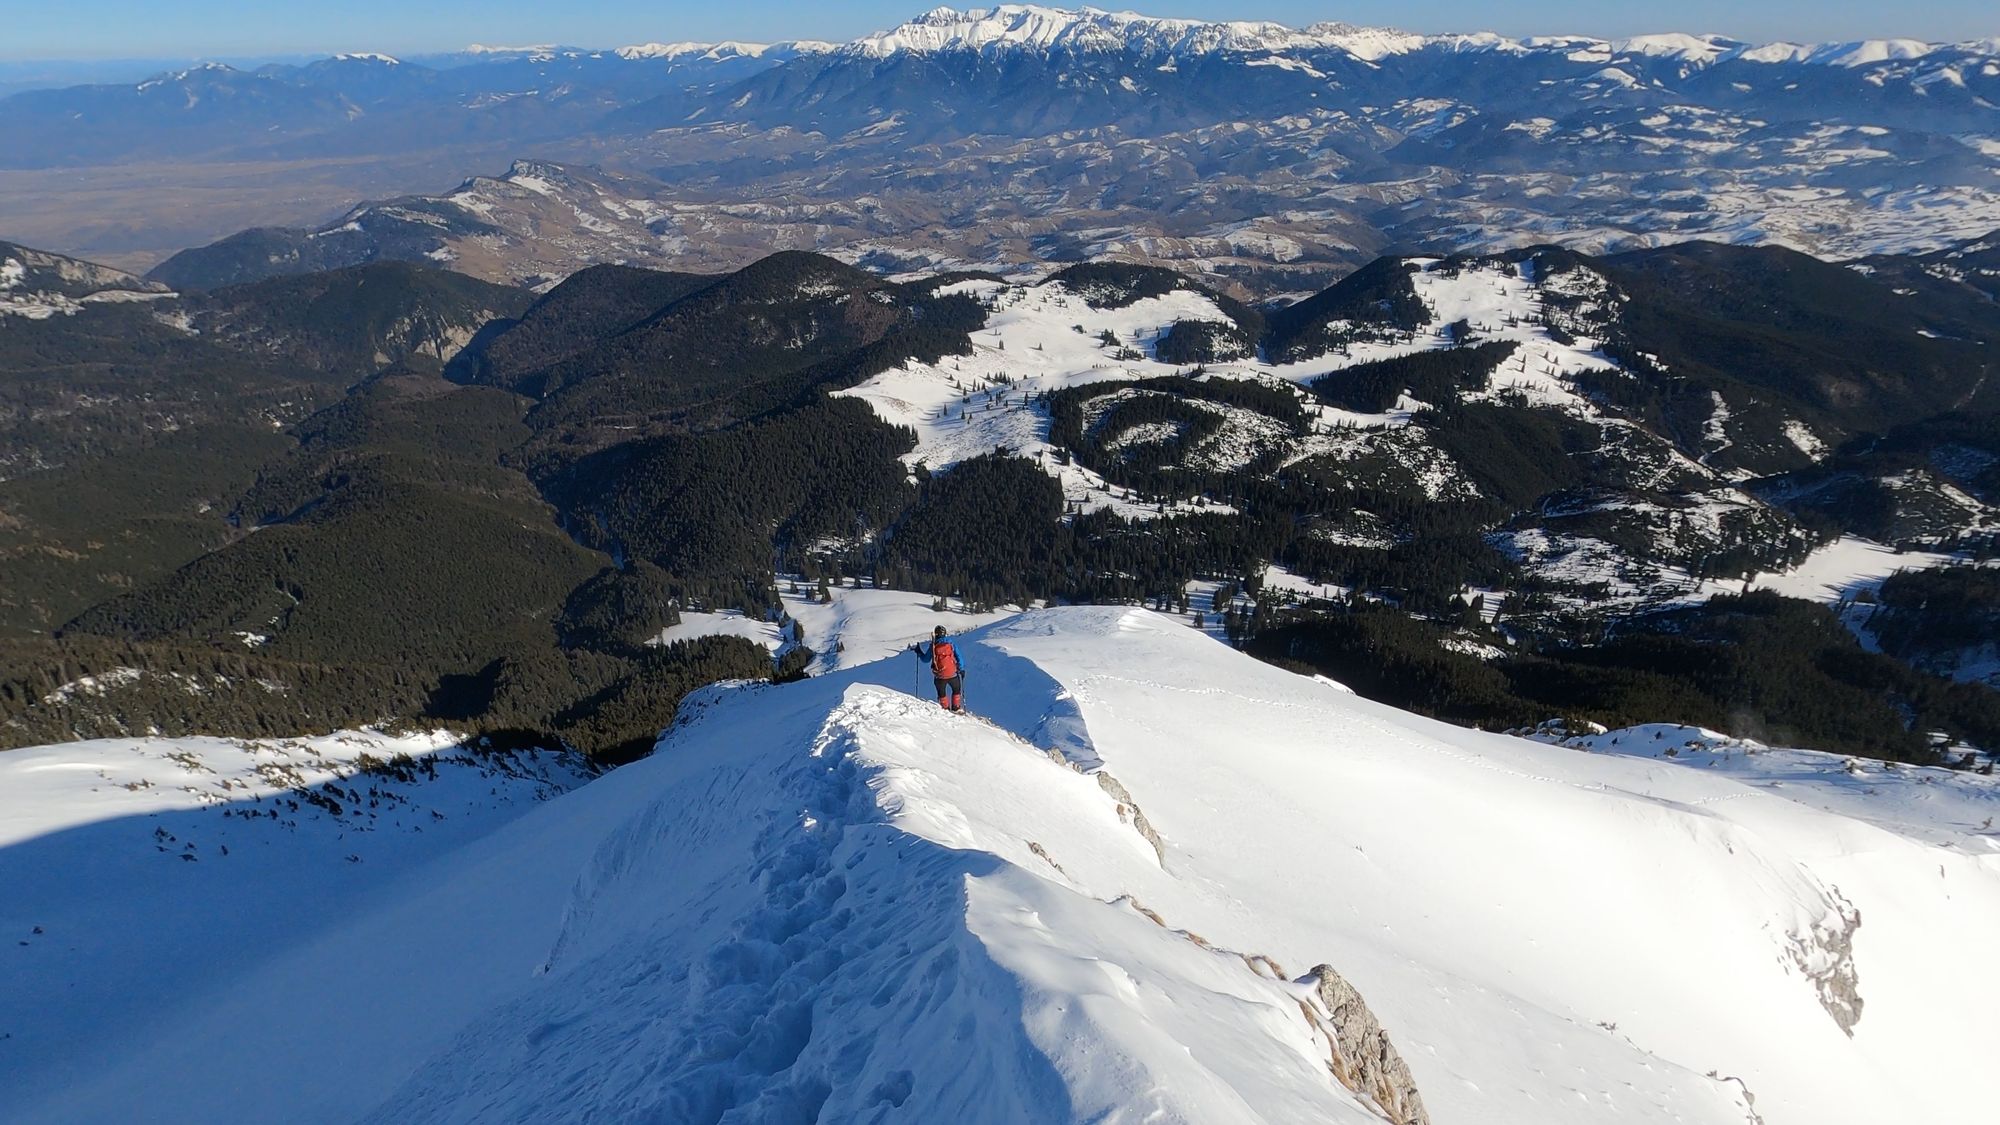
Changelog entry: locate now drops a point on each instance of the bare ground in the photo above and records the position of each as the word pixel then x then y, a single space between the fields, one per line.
pixel 133 216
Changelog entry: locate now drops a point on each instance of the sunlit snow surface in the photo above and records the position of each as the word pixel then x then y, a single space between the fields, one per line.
pixel 1845 568
pixel 862 625
pixel 139 873
pixel 1835 573
pixel 832 901
pixel 728 623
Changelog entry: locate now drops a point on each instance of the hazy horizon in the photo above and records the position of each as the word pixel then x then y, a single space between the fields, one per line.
pixel 129 31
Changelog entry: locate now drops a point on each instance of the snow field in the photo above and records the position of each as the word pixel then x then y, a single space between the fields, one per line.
pixel 143 872
pixel 1834 574
pixel 1287 584
pixel 728 623
pixel 1845 568
pixel 1031 343
pixel 1425 863
pixel 861 625
pixel 1947 808
pixel 831 900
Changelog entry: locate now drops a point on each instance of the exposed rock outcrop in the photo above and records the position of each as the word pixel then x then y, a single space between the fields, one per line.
pixel 1128 811
pixel 1826 956
pixel 1363 1058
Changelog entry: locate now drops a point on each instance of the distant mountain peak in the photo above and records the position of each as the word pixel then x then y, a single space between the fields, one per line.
pixel 540 169
pixel 1693 48
pixel 206 68
pixel 717 52
pixel 1011 27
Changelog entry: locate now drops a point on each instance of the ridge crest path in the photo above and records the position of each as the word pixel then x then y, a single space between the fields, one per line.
pixel 831 900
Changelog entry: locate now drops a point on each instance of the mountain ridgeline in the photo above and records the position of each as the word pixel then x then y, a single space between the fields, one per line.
pixel 978 137
pixel 388 493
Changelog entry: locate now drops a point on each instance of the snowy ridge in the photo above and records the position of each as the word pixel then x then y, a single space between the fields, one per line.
pixel 831 901
pixel 36 285
pixel 1036 28
pixel 1032 27
pixel 1042 28
pixel 728 49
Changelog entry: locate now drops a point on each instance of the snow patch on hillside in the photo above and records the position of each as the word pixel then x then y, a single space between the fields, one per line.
pixel 1845 568
pixel 860 625
pixel 1834 574
pixel 1036 339
pixel 1292 587
pixel 728 623
pixel 1803 437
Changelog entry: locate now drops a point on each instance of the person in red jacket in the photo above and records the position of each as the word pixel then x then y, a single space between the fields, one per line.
pixel 946 672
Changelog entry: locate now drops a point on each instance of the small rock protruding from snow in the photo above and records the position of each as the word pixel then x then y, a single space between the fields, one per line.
pixel 1128 810
pixel 1826 957
pixel 1364 1059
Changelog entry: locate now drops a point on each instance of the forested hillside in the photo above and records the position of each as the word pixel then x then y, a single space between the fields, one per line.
pixel 1497 490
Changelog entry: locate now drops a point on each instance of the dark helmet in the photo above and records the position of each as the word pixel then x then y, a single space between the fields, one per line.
pixel 938 632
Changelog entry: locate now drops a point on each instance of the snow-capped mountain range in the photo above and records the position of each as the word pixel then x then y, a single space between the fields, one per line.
pixel 1162 880
pixel 1028 27
pixel 1036 28
pixel 995 137
pixel 1042 29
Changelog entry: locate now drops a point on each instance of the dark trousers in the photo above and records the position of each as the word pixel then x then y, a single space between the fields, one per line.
pixel 951 692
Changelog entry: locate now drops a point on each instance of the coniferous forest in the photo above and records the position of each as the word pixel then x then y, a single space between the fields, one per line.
pixel 323 513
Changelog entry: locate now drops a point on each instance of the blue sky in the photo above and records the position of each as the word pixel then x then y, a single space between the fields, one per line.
pixel 187 28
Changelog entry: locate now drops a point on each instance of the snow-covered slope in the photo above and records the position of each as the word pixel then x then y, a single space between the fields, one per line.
pixel 142 872
pixel 37 285
pixel 831 901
